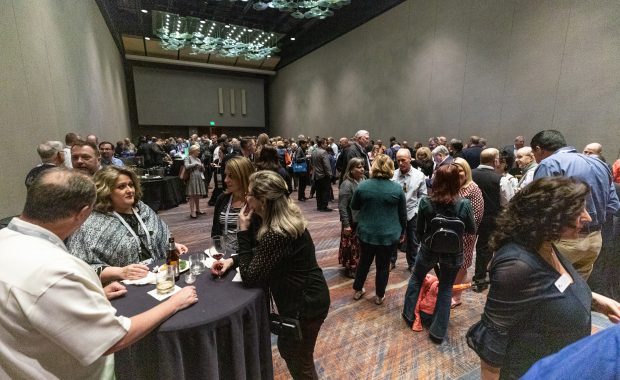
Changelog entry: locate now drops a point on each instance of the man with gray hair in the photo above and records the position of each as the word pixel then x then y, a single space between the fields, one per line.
pixel 356 149
pixel 441 156
pixel 57 321
pixel 52 155
pixel 414 186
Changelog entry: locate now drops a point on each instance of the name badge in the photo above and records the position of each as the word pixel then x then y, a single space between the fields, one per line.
pixel 563 282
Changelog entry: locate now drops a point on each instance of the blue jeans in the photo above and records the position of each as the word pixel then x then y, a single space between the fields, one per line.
pixel 448 269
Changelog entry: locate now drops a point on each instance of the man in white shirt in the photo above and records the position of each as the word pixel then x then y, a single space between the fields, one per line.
pixel 56 320
pixel 413 184
pixel 70 139
pixel 330 141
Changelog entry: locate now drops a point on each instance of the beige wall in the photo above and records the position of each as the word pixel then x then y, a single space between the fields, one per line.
pixel 60 72
pixel 462 67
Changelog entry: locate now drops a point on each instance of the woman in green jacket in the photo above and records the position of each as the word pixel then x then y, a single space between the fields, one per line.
pixel 381 224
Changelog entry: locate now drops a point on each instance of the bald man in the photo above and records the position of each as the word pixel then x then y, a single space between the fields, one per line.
pixel 593 150
pixel 57 320
pixel 527 163
pixel 414 185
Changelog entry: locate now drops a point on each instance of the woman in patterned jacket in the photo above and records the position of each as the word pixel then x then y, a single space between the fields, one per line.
pixel 122 231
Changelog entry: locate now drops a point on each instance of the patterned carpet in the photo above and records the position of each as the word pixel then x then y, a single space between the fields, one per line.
pixel 359 339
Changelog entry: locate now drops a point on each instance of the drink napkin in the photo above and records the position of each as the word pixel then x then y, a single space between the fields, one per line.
pixel 160 297
pixel 148 279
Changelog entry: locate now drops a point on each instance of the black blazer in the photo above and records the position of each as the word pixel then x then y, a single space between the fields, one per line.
pixel 488 182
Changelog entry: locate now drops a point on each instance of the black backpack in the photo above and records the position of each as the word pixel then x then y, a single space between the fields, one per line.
pixel 445 233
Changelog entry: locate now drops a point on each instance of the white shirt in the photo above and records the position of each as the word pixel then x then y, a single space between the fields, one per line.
pixel 506 190
pixel 335 149
pixel 414 185
pixel 56 321
pixel 68 163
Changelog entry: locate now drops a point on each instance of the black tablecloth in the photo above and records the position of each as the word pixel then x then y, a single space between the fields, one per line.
pixel 223 336
pixel 163 193
pixel 176 167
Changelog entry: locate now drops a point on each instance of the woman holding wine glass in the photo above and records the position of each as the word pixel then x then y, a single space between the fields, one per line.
pixel 281 258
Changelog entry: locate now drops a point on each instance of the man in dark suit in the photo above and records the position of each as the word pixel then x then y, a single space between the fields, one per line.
pixel 356 149
pixel 489 183
pixel 321 173
pixel 441 156
pixel 471 154
pixel 510 151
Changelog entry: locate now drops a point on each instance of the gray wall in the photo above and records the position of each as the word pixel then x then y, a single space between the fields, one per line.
pixel 463 67
pixel 176 97
pixel 60 72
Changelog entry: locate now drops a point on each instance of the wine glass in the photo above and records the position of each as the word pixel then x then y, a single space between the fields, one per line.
pixel 217 249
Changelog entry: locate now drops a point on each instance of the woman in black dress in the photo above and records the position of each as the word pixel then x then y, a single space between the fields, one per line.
pixel 537 302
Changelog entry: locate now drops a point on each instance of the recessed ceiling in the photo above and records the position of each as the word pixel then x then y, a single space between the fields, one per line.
pixel 130 25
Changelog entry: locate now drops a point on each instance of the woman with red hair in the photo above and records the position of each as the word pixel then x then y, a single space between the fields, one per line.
pixel 445 202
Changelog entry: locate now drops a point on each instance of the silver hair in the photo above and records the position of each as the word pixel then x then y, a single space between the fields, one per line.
pixel 440 149
pixel 361 132
pixel 49 149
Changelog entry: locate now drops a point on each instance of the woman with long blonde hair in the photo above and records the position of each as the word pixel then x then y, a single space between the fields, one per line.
pixel 282 259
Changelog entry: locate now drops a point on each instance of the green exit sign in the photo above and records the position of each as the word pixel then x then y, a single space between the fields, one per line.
pixel 212 123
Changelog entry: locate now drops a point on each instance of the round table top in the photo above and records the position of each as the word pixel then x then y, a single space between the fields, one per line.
pixel 217 299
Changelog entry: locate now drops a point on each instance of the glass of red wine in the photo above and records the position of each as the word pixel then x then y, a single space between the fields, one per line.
pixel 217 250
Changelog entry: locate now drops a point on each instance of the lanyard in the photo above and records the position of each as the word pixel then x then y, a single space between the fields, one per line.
pixel 133 233
pixel 226 215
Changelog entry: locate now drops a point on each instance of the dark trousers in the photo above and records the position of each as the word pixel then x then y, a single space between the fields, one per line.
pixel 411 242
pixel 447 273
pixel 303 182
pixel 483 254
pixel 323 185
pixel 208 176
pixel 299 355
pixel 368 252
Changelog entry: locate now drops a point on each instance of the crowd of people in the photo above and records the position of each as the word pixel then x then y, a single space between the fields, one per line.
pixel 534 216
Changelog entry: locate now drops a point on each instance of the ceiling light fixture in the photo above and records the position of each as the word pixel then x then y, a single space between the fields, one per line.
pixel 303 8
pixel 144 11
pixel 222 39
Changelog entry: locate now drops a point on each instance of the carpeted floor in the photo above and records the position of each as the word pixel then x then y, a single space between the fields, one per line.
pixel 359 339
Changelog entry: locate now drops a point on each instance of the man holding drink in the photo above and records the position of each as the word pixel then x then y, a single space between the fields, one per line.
pixel 57 321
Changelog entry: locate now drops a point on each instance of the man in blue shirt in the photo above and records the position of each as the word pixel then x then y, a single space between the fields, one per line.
pixel 107 155
pixel 595 357
pixel 556 158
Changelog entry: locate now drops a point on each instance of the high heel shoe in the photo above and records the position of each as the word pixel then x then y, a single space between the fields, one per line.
pixel 192 216
pixel 201 212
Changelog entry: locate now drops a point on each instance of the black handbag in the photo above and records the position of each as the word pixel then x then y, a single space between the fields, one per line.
pixel 283 326
pixel 286 326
